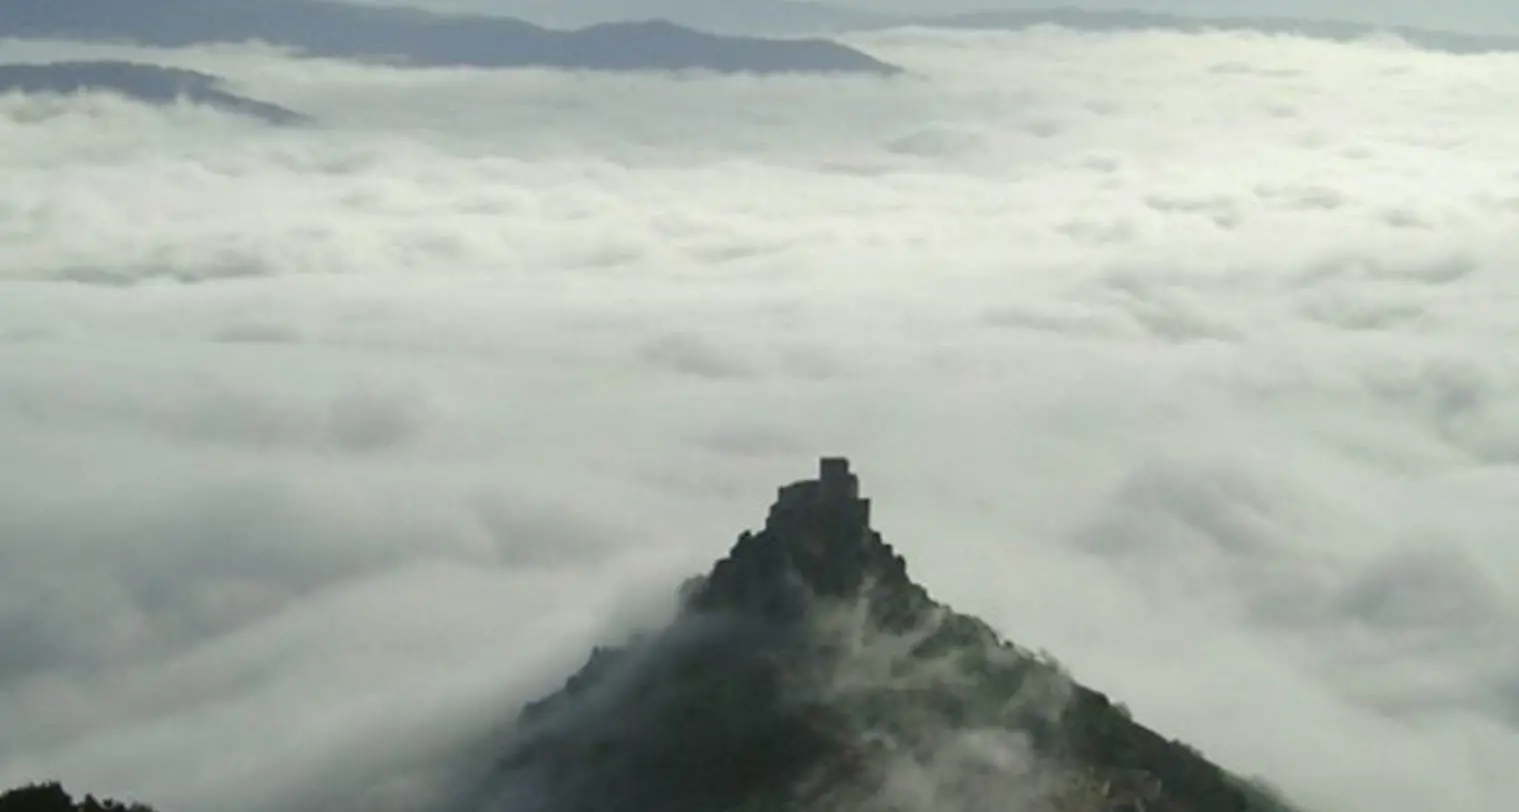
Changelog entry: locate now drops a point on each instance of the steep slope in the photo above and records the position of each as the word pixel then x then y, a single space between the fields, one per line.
pixel 808 671
pixel 154 84
pixel 347 31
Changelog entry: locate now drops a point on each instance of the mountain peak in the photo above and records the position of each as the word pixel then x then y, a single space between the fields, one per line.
pixel 806 671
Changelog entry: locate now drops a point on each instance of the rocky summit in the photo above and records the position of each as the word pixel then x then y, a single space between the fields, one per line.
pixel 807 671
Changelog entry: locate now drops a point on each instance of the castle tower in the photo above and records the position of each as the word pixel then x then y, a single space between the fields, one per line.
pixel 816 538
pixel 838 484
pixel 831 501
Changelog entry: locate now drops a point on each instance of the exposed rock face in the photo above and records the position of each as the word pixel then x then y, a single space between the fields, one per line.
pixel 808 671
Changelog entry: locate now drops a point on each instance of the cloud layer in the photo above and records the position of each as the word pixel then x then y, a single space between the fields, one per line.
pixel 1179 356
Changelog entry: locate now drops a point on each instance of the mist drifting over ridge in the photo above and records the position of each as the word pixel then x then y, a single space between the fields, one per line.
pixel 1177 355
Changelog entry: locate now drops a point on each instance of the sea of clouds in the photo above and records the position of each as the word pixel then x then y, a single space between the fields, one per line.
pixel 1185 357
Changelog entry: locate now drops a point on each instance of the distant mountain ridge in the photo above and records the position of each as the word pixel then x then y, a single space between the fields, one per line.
pixel 347 31
pixel 752 17
pixel 790 17
pixel 152 84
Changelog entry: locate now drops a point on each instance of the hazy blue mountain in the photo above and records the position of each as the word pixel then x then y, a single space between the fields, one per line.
pixel 332 29
pixel 785 17
pixel 751 17
pixel 154 84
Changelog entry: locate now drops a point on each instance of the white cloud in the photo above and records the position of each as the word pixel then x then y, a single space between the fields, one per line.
pixel 1180 356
